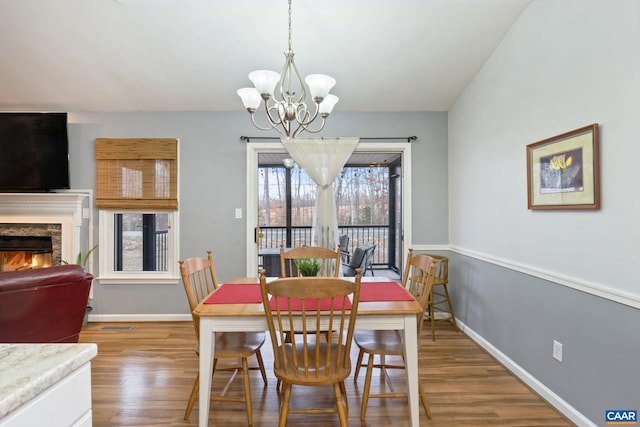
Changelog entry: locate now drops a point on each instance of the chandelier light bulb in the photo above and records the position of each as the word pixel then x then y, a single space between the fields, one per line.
pixel 250 98
pixel 326 106
pixel 319 85
pixel 265 82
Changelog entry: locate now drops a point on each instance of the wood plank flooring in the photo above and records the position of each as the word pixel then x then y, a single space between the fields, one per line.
pixel 143 375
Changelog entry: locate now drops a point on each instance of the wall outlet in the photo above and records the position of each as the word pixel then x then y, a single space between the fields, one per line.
pixel 557 350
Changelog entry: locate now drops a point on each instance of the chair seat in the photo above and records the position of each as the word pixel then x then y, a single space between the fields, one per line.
pixel 379 342
pixel 439 282
pixel 238 344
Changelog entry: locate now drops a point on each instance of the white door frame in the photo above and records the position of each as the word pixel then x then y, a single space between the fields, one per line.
pixel 253 148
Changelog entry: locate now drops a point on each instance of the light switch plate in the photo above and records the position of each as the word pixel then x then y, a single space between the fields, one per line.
pixel 238 213
pixel 557 350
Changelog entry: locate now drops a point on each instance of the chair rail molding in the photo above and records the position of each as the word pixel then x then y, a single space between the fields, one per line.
pixel 592 288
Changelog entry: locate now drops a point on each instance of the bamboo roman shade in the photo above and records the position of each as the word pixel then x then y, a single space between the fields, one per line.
pixel 137 173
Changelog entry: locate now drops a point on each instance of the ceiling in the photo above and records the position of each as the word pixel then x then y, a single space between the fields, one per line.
pixel 192 55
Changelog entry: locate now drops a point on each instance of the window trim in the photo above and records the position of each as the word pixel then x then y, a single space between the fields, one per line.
pixel 254 148
pixel 106 253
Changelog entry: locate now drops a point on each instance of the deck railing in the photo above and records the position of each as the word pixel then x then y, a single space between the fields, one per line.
pixel 161 250
pixel 274 236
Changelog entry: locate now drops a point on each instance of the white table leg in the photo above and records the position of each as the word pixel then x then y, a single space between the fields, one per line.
pixel 207 350
pixel 411 366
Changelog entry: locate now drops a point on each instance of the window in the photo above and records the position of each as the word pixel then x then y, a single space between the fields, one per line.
pixel 136 192
pixel 286 203
pixel 139 246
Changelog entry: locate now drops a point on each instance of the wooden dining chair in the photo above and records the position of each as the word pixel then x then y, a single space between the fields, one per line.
pixel 311 305
pixel 418 280
pixel 439 305
pixel 329 260
pixel 199 279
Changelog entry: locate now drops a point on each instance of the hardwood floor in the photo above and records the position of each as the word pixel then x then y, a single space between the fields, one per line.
pixel 144 372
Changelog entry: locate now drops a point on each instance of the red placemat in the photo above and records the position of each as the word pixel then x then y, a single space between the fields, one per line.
pixel 240 293
pixel 310 304
pixel 383 291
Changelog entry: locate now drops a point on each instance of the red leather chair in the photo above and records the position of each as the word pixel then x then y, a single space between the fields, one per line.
pixel 45 305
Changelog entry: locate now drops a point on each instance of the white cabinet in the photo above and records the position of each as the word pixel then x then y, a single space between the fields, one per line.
pixel 46 385
pixel 67 403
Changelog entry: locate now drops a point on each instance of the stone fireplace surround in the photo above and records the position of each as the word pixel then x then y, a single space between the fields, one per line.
pixel 65 209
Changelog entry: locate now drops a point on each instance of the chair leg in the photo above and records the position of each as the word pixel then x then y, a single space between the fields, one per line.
pixel 343 390
pixel 432 318
pixel 341 411
pixel 423 398
pixel 192 397
pixel 247 389
pixel 367 388
pixel 284 409
pixel 357 372
pixel 261 365
pixel 453 316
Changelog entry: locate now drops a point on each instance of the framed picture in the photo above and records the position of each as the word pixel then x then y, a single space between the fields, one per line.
pixel 562 171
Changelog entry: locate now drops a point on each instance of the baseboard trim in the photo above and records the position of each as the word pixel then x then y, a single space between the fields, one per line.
pixel 547 394
pixel 139 318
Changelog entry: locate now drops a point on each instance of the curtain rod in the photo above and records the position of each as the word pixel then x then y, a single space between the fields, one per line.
pixel 381 138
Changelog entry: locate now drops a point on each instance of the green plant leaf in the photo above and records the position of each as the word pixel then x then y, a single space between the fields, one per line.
pixel 308 266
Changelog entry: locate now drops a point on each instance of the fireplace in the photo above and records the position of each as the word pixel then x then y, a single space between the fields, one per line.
pixel 41 228
pixel 25 252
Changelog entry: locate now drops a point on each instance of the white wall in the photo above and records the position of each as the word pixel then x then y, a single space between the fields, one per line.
pixel 564 65
pixel 523 278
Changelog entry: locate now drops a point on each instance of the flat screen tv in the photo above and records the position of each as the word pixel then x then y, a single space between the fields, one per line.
pixel 34 152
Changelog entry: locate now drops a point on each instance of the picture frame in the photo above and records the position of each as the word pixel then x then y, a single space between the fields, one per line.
pixel 563 171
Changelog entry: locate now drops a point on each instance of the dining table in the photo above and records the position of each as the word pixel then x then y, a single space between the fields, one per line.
pixel 236 306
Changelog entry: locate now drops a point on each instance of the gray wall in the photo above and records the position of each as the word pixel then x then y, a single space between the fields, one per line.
pixel 213 184
pixel 524 278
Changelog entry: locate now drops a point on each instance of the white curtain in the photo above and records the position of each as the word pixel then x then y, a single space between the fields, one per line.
pixel 322 159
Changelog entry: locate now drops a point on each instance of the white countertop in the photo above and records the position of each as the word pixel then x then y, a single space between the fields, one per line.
pixel 26 370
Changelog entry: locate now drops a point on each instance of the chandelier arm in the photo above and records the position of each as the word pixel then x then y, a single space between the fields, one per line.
pixel 306 129
pixel 306 118
pixel 273 126
pixel 303 91
pixel 282 120
pixel 270 118
pixel 283 76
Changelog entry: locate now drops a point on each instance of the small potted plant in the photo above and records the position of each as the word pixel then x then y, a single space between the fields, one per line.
pixel 83 260
pixel 308 266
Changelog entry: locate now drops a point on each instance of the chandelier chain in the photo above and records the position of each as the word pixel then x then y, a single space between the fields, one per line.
pixel 289 25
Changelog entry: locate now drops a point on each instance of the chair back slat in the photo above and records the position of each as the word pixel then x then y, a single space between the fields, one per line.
pixel 418 278
pixel 311 322
pixel 442 269
pixel 199 280
pixel 329 260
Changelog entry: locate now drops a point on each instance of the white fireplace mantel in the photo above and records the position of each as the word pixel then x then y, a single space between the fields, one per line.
pixel 65 209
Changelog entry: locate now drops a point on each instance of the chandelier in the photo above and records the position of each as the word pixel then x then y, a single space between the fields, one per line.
pixel 287 110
